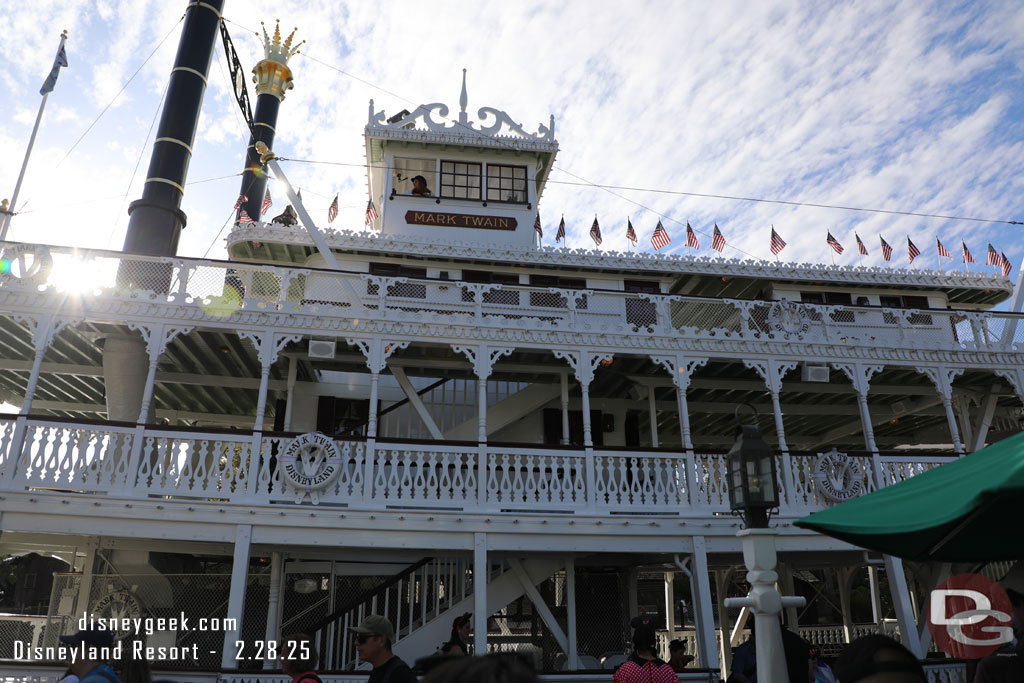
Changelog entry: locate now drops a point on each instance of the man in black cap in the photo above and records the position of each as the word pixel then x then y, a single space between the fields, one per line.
pixel 374 637
pixel 92 650
pixel 419 187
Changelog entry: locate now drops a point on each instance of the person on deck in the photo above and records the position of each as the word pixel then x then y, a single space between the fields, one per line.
pixel 677 657
pixel 419 187
pixel 374 637
pixel 457 643
pixel 643 666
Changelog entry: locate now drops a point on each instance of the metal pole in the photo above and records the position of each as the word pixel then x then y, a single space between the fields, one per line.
pixel 5 220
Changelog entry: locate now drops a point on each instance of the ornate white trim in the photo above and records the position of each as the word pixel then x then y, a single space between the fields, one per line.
pixel 772 371
pixel 157 337
pixel 269 344
pixel 859 375
pixel 430 246
pixel 942 377
pixel 680 368
pixel 483 357
pixel 376 350
pixel 584 363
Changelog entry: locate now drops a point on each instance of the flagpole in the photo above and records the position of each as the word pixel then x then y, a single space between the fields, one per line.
pixel 6 219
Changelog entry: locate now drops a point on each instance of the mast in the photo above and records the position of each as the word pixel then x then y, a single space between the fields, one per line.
pixel 273 78
pixel 156 219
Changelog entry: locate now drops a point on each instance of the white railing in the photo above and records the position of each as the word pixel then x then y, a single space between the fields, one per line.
pixel 222 288
pixel 140 462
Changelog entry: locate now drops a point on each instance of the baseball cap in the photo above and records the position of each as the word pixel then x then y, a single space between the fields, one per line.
pixel 1014 579
pixel 420 178
pixel 462 619
pixel 91 637
pixel 375 625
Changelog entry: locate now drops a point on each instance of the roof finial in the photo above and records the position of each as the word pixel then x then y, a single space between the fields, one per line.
pixel 463 100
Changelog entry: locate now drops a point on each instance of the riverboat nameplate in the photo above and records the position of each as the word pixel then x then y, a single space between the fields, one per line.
pixel 460 220
pixel 26 262
pixel 837 477
pixel 115 607
pixel 310 463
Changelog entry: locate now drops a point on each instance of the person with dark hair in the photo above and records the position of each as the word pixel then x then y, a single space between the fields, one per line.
pixel 497 667
pixel 795 649
pixel 298 658
pixel 419 187
pixel 1007 663
pixel 130 668
pixel 92 663
pixel 643 666
pixel 677 657
pixel 374 637
pixel 457 643
pixel 878 659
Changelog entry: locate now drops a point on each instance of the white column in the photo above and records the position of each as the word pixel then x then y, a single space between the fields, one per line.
pixel 876 595
pixel 786 585
pixel 670 603
pixel 704 618
pixel 480 614
pixel 292 373
pixel 843 577
pixel 680 368
pixel 724 630
pixel 371 420
pixel 481 401
pixel 236 596
pixel 564 377
pixel 772 372
pixel 590 462
pixel 85 586
pixel 43 331
pixel 570 606
pixel 988 408
pixel 905 614
pixel 261 400
pixel 942 377
pixel 155 350
pixel 588 437
pixel 273 604
pixel 652 408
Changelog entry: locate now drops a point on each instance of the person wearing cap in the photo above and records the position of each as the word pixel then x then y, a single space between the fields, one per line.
pixel 91 662
pixel 643 666
pixel 374 637
pixel 456 645
pixel 1007 663
pixel 419 187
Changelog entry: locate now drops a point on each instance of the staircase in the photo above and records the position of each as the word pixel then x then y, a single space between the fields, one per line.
pixel 421 601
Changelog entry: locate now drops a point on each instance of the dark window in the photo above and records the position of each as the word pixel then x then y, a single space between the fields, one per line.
pixel 342 416
pixel 896 301
pixel 550 300
pixel 460 180
pixel 506 183
pixel 507 297
pixel 553 427
pixel 410 290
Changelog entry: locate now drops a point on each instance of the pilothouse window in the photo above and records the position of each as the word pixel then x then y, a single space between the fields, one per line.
pixel 506 183
pixel 408 168
pixel 460 180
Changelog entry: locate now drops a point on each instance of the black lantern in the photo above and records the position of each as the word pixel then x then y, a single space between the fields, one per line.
pixel 753 490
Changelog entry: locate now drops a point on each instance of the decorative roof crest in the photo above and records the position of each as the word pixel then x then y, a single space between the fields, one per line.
pixel 501 128
pixel 273 49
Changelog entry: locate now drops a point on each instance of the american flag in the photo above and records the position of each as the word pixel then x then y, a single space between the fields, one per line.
pixel 595 232
pixel 560 235
pixel 1005 263
pixel 332 210
pixel 993 256
pixel 912 251
pixel 777 244
pixel 630 232
pixel 860 246
pixel 660 237
pixel 967 252
pixel 243 218
pixel 536 225
pixel 886 249
pixel 267 202
pixel 942 250
pixel 242 199
pixel 371 211
pixel 717 241
pixel 834 243
pixel 691 237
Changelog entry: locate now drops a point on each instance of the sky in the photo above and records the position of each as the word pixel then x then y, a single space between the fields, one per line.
pixel 905 106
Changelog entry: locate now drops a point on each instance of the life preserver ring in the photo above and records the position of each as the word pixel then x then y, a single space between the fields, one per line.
pixel 26 263
pixel 117 608
pixel 837 477
pixel 311 462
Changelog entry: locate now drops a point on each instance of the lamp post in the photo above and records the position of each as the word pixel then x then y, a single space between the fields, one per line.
pixel 753 492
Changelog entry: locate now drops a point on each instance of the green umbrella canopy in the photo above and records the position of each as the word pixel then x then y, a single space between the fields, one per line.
pixel 968 510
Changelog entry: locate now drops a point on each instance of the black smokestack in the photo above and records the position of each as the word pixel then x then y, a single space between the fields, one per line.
pixel 157 219
pixel 273 78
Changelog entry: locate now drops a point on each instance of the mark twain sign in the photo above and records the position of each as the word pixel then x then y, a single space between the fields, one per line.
pixel 460 220
pixel 310 463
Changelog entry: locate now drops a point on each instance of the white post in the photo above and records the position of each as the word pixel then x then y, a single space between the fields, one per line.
pixel 273 604
pixel 988 408
pixel 704 618
pixel 876 596
pixel 565 408
pixel 371 434
pixel 590 462
pixel 155 349
pixel 765 602
pixel 5 219
pixel 236 596
pixel 261 401
pixel 901 601
pixel 480 572
pixel 85 586
pixel 652 408
pixel 570 606
pixel 670 603
pixel 292 373
pixel 786 584
pixel 844 575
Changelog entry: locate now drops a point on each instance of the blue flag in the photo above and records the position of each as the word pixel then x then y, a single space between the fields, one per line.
pixel 60 60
